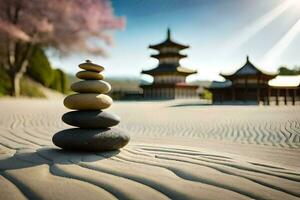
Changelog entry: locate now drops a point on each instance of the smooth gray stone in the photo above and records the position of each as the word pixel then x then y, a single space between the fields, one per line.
pixel 96 140
pixel 91 119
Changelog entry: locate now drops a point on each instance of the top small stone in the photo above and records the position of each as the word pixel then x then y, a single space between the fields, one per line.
pixel 89 66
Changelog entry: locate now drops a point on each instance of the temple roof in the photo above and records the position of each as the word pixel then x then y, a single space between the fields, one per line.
pixel 168 43
pixel 169 69
pixel 291 81
pixel 285 81
pixel 220 84
pixel 248 69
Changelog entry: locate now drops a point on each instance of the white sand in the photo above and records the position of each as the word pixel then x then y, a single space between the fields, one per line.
pixel 179 150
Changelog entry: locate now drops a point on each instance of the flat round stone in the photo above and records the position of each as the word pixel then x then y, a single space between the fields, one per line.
pixel 91 119
pixel 96 140
pixel 88 75
pixel 91 86
pixel 87 101
pixel 88 65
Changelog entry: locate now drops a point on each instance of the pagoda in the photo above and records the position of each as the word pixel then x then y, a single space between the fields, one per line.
pixel 169 76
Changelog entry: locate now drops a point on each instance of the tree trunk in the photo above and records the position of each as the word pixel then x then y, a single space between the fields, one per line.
pixel 17 62
pixel 15 77
pixel 15 84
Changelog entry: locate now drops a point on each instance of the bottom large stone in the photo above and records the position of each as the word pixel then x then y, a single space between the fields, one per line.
pixel 106 139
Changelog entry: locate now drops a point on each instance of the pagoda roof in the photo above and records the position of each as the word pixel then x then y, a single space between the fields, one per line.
pixel 168 43
pixel 169 85
pixel 168 55
pixel 248 69
pixel 169 69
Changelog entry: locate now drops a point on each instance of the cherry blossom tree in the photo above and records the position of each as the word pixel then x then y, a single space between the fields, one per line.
pixel 66 25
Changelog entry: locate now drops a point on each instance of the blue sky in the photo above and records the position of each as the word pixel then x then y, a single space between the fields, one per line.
pixel 220 32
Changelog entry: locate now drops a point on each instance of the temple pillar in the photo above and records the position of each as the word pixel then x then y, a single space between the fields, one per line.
pixel 258 95
pixel 277 96
pixel 293 97
pixel 285 96
pixel 233 94
pixel 246 98
pixel 222 96
pixel 269 95
pixel 213 99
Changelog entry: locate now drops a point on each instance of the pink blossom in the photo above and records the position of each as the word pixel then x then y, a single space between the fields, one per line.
pixel 13 31
pixel 63 24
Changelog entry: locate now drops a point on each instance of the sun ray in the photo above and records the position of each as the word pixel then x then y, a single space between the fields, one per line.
pixel 275 52
pixel 248 32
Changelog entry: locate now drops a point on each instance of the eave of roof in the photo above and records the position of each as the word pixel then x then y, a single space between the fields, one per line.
pixel 220 84
pixel 169 69
pixel 249 65
pixel 169 85
pixel 186 70
pixel 168 43
pixel 292 81
pixel 166 55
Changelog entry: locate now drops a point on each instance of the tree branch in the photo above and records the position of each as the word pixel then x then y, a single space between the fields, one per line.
pixel 17 11
pixel 8 52
pixel 8 11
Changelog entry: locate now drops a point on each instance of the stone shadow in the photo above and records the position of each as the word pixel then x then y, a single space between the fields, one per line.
pixel 50 156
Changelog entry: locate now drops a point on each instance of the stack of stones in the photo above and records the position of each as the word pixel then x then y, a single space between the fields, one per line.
pixel 94 132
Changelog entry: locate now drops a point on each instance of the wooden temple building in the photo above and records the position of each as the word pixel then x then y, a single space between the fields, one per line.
pixel 169 77
pixel 250 85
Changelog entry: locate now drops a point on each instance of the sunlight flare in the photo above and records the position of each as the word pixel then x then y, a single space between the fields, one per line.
pixel 249 31
pixel 275 52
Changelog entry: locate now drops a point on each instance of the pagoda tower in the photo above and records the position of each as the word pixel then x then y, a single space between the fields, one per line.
pixel 169 76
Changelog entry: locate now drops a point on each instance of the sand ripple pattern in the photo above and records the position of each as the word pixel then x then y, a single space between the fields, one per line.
pixel 32 168
pixel 262 125
pixel 272 126
pixel 141 172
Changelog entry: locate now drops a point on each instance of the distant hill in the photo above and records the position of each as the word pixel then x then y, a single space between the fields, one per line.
pixel 125 84
pixel 121 87
pixel 201 83
pixel 132 84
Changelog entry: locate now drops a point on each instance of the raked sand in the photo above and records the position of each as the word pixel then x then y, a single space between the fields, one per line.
pixel 178 150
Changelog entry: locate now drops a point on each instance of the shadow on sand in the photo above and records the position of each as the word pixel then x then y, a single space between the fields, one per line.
pixel 190 105
pixel 50 156
pixel 206 104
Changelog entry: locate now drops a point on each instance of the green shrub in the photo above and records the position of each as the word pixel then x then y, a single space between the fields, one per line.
pixel 59 81
pixel 206 94
pixel 283 70
pixel 5 84
pixel 30 89
pixel 39 68
pixel 64 81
